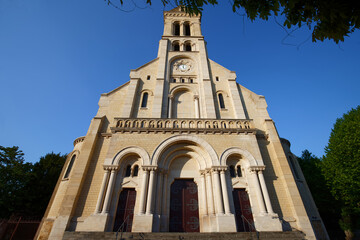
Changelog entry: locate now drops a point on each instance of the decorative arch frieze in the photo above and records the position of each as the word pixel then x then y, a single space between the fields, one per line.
pixel 181 56
pixel 183 151
pixel 182 87
pixel 156 157
pixel 145 159
pixel 234 150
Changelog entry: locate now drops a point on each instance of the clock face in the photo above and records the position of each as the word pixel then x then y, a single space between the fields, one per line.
pixel 183 65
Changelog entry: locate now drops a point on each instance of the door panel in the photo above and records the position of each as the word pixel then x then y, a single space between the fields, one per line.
pixel 125 209
pixel 184 206
pixel 242 207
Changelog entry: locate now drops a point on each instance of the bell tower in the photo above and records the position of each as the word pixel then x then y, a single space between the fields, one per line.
pixel 183 74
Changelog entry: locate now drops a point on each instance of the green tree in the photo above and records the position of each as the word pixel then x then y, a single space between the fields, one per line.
pixel 14 176
pixel 341 168
pixel 26 188
pixel 42 182
pixel 332 19
pixel 328 207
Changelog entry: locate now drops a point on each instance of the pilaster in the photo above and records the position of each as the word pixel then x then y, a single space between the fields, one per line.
pixel 160 79
pixel 293 195
pixel 235 96
pixel 130 98
pixel 205 83
pixel 76 181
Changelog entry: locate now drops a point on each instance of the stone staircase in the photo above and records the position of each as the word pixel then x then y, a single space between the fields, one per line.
pixel 183 236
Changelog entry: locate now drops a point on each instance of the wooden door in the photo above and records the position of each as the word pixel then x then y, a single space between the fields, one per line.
pixel 125 210
pixel 184 207
pixel 242 207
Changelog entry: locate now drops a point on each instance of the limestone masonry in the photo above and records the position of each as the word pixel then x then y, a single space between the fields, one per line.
pixel 181 147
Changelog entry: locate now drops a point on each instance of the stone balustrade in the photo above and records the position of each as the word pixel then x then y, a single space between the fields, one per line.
pixel 150 124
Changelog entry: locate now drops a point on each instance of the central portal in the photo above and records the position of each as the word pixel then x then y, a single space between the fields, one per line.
pixel 184 207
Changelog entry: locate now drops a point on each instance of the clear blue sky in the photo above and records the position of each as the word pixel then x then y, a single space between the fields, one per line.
pixel 57 57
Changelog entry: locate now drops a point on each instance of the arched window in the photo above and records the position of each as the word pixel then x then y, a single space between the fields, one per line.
pixel 128 171
pixel 187 29
pixel 71 163
pixel 176 46
pixel 188 46
pixel 232 171
pixel 221 101
pixel 136 171
pixel 176 28
pixel 191 81
pixel 238 169
pixel 182 80
pixel 144 100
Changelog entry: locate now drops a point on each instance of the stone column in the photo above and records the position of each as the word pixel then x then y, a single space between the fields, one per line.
pixel 164 197
pixel 159 197
pixel 143 191
pixel 265 192
pixel 150 192
pixel 109 191
pixel 203 186
pixel 170 106
pixel 258 190
pixel 225 191
pixel 197 110
pixel 181 29
pixel 219 203
pixel 163 222
pixel 102 192
pixel 210 193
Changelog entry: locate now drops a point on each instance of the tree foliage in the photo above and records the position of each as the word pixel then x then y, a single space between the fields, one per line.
pixel 26 188
pixel 341 166
pixel 327 19
pixel 328 207
pixel 43 178
pixel 14 175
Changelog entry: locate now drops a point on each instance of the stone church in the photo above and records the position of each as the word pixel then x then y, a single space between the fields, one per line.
pixel 181 147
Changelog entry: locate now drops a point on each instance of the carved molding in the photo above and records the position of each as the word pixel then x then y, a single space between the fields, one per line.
pixel 256 168
pixel 184 125
pixel 111 167
pixel 78 140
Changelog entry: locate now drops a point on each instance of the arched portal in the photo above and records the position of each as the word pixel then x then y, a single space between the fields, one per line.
pixel 182 160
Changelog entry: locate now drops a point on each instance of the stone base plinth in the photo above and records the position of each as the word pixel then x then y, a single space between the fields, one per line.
pixel 226 223
pixel 142 223
pixel 267 223
pixel 93 223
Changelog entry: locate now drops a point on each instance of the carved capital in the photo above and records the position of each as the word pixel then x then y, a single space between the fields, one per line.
pixel 111 167
pixel 202 172
pixel 149 168
pixel 256 168
pixel 218 168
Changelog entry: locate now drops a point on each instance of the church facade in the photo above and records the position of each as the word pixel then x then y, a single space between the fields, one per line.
pixel 181 147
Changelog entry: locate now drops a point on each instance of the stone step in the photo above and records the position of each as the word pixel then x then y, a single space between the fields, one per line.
pixel 295 235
